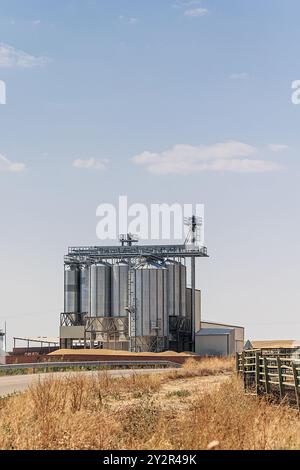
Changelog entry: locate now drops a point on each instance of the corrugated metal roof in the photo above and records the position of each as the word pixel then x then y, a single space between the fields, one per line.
pixel 37 339
pixel 226 325
pixel 214 331
pixel 276 344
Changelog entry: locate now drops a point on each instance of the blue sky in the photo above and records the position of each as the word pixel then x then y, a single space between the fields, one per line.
pixel 103 82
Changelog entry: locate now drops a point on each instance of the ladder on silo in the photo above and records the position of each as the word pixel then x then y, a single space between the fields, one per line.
pixel 132 313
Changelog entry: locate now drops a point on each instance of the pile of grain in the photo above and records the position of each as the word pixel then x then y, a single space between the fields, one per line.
pixel 113 352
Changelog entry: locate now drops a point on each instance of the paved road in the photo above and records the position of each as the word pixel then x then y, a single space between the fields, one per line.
pixel 18 383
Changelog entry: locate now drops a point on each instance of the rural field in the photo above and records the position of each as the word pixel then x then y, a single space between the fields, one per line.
pixel 200 406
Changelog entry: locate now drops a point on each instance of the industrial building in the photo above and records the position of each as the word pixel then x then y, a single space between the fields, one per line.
pixel 277 347
pixel 132 297
pixel 137 298
pixel 219 339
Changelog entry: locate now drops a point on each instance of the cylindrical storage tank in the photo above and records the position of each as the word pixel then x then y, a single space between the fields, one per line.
pixel 176 288
pixel 71 288
pixel 84 288
pixel 100 290
pixel 151 300
pixel 119 289
pixel 183 289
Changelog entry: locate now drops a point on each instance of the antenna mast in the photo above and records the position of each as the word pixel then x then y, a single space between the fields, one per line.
pixel 194 234
pixel 128 239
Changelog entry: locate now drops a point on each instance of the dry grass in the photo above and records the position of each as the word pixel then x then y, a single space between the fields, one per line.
pixel 232 420
pixel 100 412
pixel 206 367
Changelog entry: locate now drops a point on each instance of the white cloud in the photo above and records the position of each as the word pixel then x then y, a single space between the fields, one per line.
pixel 12 57
pixel 192 8
pixel 11 167
pixel 128 19
pixel 238 76
pixel 196 12
pixel 186 3
pixel 90 164
pixel 245 166
pixel 36 22
pixel 277 147
pixel 230 156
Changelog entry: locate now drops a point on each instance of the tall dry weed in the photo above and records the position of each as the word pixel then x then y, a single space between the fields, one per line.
pixel 100 412
pixel 206 367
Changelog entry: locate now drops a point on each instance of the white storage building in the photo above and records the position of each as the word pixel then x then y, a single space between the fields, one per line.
pixel 218 339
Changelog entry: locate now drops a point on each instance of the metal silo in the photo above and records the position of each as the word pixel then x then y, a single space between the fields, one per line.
pixel 100 290
pixel 176 288
pixel 84 288
pixel 119 289
pixel 183 289
pixel 151 300
pixel 71 288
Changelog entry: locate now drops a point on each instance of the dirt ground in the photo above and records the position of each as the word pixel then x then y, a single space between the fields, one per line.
pixel 174 394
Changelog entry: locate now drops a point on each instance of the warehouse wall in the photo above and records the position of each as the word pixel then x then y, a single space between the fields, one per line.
pixel 239 333
pixel 212 345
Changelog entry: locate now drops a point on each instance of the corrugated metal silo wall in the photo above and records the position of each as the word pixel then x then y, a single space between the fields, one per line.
pixel 151 301
pixel 84 280
pixel 119 290
pixel 176 289
pixel 100 291
pixel 183 289
pixel 71 288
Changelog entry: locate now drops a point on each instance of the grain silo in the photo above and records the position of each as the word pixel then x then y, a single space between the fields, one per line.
pixel 84 288
pixel 151 301
pixel 119 289
pixel 176 288
pixel 100 293
pixel 71 288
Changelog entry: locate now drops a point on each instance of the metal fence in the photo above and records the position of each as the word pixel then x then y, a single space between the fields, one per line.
pixel 92 365
pixel 272 374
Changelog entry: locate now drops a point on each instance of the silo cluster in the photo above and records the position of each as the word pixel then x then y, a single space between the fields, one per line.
pixel 97 290
pixel 102 290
